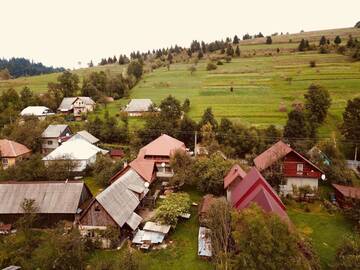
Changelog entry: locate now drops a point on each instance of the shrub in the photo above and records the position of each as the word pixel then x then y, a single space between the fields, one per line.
pixel 211 66
pixel 312 63
pixel 219 63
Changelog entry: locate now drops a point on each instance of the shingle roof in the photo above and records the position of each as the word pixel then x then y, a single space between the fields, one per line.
pixel 255 189
pixel 10 148
pixel 347 191
pixel 235 171
pixel 77 149
pixel 50 197
pixel 138 105
pixel 53 131
pixel 162 146
pixel 36 111
pixel 67 102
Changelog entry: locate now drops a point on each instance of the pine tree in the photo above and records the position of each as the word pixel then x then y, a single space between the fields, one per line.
pixel 236 40
pixel 268 40
pixel 337 40
pixel 237 51
pixel 200 55
pixel 230 50
pixel 322 41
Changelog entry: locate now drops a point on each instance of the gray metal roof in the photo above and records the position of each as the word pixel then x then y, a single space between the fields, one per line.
pixel 119 202
pixel 154 227
pixel 134 221
pixel 87 136
pixel 50 197
pixel 67 102
pixel 204 242
pixel 53 131
pixel 133 181
pixel 138 105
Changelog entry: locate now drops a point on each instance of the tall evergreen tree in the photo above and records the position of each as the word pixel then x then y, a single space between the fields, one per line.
pixel 317 103
pixel 236 40
pixel 337 40
pixel 237 51
pixel 322 41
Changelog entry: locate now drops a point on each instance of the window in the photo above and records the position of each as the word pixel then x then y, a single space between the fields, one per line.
pixel 97 208
pixel 49 142
pixel 5 161
pixel 299 168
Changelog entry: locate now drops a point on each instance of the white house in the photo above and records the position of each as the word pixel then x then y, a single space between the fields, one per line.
pixel 52 137
pixel 78 150
pixel 77 106
pixel 138 107
pixel 39 111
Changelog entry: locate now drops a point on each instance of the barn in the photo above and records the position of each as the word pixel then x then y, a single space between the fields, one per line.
pixel 53 201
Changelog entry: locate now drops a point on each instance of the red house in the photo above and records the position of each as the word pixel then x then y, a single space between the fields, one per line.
pixel 253 188
pixel 232 179
pixel 298 171
pixel 345 193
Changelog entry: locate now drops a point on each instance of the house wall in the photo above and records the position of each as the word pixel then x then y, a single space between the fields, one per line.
pixel 290 164
pixel 49 144
pixel 299 182
pixel 97 216
pixel 43 220
pixel 231 188
pixel 11 161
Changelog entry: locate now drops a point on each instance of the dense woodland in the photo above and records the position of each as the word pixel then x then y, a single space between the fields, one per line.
pixel 17 67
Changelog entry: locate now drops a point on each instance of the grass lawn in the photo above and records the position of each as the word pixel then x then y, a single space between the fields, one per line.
pixel 181 254
pixel 326 230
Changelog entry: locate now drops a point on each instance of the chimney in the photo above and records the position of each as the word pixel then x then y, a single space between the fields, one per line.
pixel 125 164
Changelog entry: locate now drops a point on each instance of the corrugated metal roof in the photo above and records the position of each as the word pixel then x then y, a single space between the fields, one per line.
pixel 236 171
pixel 134 221
pixel 87 136
pixel 119 202
pixel 133 181
pixel 53 131
pixel 36 111
pixel 138 105
pixel 50 197
pixel 154 227
pixel 12 149
pixel 67 102
pixel 204 242
pixel 76 149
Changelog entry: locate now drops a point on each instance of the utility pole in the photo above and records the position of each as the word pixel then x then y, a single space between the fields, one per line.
pixel 195 143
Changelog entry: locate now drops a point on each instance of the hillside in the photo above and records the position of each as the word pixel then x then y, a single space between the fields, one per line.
pixel 261 83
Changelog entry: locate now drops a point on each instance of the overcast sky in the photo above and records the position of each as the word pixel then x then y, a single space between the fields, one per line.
pixel 64 32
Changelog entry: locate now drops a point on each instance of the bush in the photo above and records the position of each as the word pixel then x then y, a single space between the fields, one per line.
pixel 219 63
pixel 348 254
pixel 211 66
pixel 312 63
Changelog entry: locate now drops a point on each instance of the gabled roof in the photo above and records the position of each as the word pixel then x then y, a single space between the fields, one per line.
pixel 275 153
pixel 50 197
pixel 267 158
pixel 235 172
pixel 347 191
pixel 83 134
pixel 67 102
pixel 255 189
pixel 36 111
pixel 77 149
pixel 10 148
pixel 144 167
pixel 54 131
pixel 120 203
pixel 138 105
pixel 162 146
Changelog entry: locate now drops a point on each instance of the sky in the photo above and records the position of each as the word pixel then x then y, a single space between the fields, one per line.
pixel 66 32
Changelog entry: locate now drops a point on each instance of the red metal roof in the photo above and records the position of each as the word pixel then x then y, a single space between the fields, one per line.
pixel 117 153
pixel 275 153
pixel 12 149
pixel 347 191
pixel 162 146
pixel 255 189
pixel 235 171
pixel 144 167
pixel 206 203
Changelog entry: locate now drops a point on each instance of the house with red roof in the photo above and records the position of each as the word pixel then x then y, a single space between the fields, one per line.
pixel 12 152
pixel 297 170
pixel 345 193
pixel 232 179
pixel 253 188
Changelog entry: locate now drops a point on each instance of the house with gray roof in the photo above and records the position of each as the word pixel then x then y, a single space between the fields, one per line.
pixel 53 136
pixel 76 106
pixel 116 206
pixel 137 107
pixel 53 200
pixel 85 135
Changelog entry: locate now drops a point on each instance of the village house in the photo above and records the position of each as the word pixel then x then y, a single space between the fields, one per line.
pixel 12 152
pixel 38 111
pixel 53 136
pixel 253 188
pixel 116 206
pixel 79 151
pixel 232 179
pixel 85 135
pixel 344 194
pixel 76 106
pixel 297 170
pixel 138 107
pixel 53 201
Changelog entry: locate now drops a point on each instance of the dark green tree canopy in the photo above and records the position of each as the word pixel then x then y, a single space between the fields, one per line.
pixel 296 126
pixel 351 117
pixel 208 117
pixel 317 103
pixel 236 40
